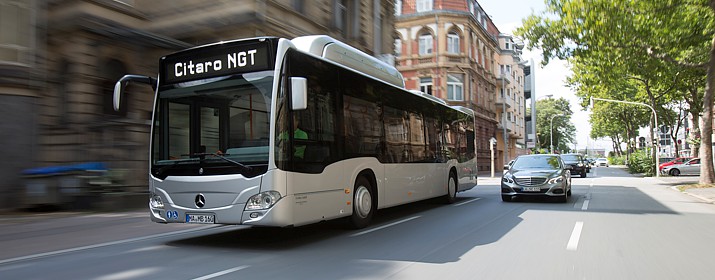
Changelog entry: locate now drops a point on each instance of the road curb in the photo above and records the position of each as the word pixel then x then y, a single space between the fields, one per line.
pixel 704 199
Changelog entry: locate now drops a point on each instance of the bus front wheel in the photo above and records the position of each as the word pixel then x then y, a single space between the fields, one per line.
pixel 363 206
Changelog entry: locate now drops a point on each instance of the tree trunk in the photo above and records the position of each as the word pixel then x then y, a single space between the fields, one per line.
pixel 707 175
pixel 695 149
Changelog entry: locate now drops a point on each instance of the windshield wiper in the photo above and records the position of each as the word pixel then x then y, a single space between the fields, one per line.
pixel 202 155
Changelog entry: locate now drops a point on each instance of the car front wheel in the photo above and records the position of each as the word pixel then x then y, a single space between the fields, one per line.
pixel 674 172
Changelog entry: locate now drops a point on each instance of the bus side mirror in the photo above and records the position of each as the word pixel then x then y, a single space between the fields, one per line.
pixel 299 93
pixel 119 86
pixel 117 95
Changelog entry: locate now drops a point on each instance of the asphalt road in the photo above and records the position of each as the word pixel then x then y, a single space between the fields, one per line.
pixel 614 227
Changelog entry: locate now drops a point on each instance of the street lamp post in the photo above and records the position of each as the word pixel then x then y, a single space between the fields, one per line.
pixel 492 143
pixel 551 130
pixel 655 120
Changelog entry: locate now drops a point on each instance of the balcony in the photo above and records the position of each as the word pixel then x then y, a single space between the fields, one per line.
pixel 505 77
pixel 509 102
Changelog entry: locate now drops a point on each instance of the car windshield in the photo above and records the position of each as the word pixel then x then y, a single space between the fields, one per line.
pixel 570 157
pixel 537 162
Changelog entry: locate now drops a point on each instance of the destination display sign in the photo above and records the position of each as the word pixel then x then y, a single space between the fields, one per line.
pixel 215 61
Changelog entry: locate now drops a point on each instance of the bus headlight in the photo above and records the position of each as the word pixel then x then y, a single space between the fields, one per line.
pixel 263 200
pixel 156 202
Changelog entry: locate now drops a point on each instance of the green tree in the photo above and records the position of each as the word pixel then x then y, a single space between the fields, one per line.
pixel 650 35
pixel 563 130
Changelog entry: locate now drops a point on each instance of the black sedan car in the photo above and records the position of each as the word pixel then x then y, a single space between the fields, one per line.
pixel 537 175
pixel 578 167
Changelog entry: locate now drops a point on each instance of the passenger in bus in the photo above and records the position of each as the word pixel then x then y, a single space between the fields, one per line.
pixel 297 134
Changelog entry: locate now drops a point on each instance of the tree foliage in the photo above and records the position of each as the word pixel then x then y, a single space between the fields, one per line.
pixel 564 131
pixel 650 51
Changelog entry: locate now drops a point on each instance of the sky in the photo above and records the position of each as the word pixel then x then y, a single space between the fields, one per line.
pixel 550 79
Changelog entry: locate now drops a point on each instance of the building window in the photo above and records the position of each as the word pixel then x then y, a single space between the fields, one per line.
pixel 341 16
pixel 398 47
pixel 298 6
pixel 507 46
pixel 426 85
pixel 425 44
pixel 455 87
pixel 398 7
pixel 452 42
pixel 16 35
pixel 424 5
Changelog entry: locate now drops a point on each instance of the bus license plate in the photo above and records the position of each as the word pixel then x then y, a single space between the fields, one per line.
pixel 531 189
pixel 200 219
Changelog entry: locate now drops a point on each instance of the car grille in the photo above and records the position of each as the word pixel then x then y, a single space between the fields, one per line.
pixel 530 181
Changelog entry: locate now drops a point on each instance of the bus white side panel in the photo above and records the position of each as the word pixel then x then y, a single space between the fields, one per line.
pixel 467 175
pixel 327 195
pixel 413 182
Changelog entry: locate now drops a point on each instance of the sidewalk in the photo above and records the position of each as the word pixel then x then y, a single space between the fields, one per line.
pixel 484 178
pixel 705 194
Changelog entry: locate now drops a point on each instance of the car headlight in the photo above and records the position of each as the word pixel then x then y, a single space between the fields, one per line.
pixel 580 164
pixel 508 179
pixel 556 180
pixel 263 200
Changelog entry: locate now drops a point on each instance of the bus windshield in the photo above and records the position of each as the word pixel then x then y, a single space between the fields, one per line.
pixel 213 122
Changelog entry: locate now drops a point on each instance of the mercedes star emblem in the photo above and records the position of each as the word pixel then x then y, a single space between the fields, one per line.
pixel 200 200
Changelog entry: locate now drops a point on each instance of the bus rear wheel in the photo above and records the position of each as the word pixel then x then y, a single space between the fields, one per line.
pixel 363 206
pixel 451 195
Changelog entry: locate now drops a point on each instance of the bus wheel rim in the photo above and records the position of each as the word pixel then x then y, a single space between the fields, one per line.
pixel 363 201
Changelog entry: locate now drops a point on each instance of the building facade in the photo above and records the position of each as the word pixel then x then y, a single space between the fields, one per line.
pixel 59 60
pixel 530 97
pixel 451 49
pixel 511 100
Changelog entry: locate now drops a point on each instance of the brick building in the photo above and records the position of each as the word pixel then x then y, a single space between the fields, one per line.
pixel 451 49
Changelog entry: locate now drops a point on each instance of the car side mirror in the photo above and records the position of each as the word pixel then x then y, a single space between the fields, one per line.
pixel 506 167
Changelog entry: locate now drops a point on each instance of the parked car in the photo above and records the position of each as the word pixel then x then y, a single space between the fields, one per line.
pixel 672 162
pixel 690 167
pixel 578 166
pixel 602 162
pixel 537 175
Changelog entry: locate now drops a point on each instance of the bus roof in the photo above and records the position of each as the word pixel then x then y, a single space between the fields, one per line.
pixel 341 53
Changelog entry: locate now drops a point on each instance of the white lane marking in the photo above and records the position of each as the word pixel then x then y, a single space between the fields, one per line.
pixel 575 236
pixel 70 250
pixel 585 205
pixel 150 248
pixel 220 273
pixel 384 226
pixel 468 201
pixel 134 273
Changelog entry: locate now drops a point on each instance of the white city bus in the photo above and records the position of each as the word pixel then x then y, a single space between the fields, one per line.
pixel 276 132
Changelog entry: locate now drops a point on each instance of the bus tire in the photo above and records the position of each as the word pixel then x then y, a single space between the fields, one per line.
pixel 363 203
pixel 451 195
